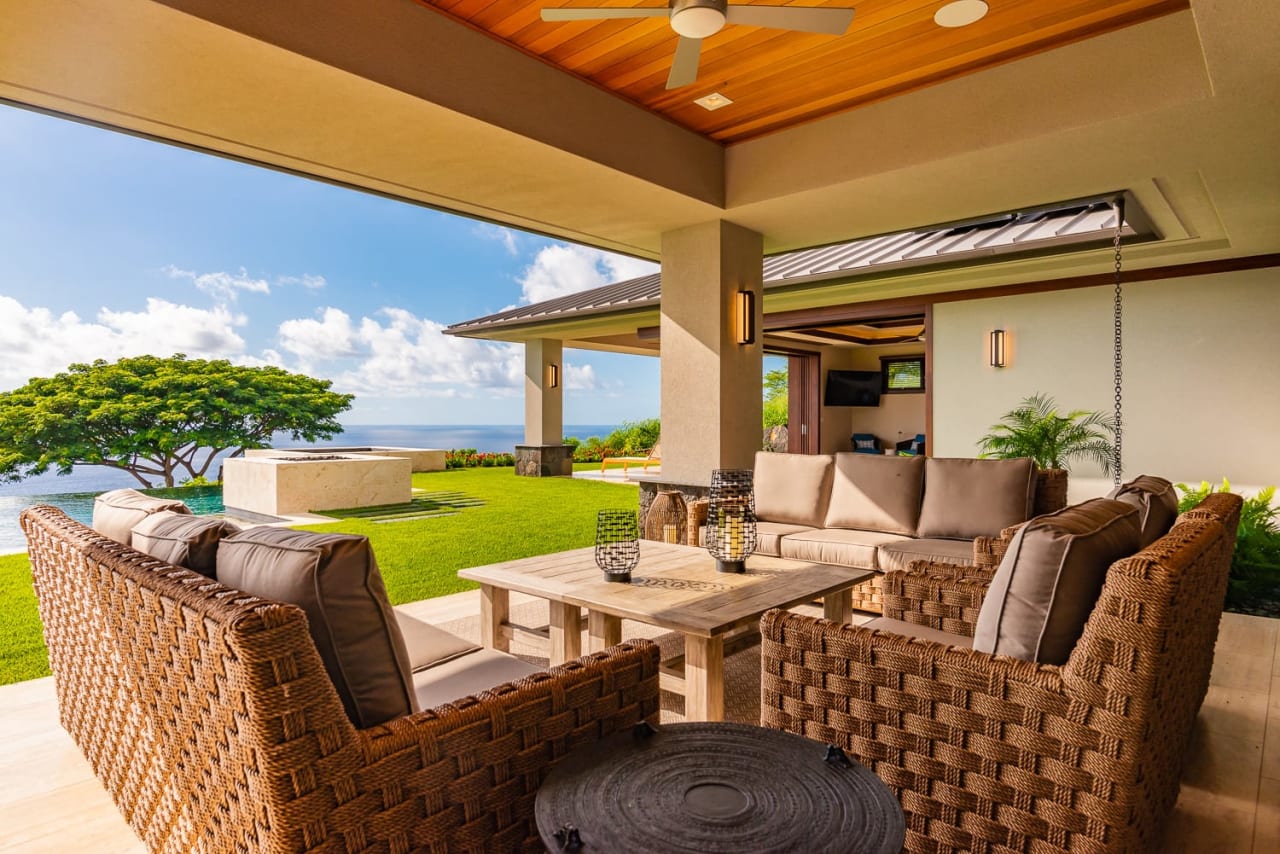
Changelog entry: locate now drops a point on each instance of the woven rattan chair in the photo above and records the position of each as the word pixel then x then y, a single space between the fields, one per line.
pixel 988 753
pixel 210 719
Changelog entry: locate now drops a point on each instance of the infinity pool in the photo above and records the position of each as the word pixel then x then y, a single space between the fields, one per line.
pixel 203 501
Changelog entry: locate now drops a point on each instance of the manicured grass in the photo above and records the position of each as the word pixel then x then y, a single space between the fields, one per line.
pixel 22 654
pixel 520 517
pixel 419 558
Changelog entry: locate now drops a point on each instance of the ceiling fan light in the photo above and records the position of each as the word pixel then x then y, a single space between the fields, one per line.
pixel 960 13
pixel 697 22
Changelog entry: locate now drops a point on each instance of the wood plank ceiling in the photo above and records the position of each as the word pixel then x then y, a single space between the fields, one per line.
pixel 776 78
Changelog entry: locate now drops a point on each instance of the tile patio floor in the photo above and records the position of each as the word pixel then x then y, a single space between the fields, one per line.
pixel 1230 801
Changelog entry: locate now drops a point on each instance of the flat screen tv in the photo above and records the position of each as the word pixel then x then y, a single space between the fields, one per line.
pixel 852 388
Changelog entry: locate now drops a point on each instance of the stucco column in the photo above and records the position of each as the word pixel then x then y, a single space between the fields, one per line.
pixel 711 384
pixel 543 405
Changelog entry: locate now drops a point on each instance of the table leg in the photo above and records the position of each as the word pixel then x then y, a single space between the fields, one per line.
pixel 838 606
pixel 495 608
pixel 603 630
pixel 703 678
pixel 566 632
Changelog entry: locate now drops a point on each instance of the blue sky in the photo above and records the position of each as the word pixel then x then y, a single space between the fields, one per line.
pixel 113 246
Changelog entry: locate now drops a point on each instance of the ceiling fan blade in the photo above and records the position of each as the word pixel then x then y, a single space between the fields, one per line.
pixel 684 68
pixel 810 20
pixel 601 13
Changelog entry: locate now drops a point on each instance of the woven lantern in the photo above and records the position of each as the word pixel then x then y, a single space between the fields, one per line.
pixel 617 544
pixel 731 519
pixel 666 520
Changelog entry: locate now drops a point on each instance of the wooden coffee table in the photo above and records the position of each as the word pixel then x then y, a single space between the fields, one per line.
pixel 675 588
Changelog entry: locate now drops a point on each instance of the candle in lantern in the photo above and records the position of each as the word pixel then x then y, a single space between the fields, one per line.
pixel 669 533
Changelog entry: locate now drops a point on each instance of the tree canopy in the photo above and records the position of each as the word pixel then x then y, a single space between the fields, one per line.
pixel 775 398
pixel 158 418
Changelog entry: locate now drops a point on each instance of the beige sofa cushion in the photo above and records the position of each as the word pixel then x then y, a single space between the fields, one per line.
pixel 467 675
pixel 335 580
pixel 876 493
pixel 1157 504
pixel 895 556
pixel 428 646
pixel 183 540
pixel 116 512
pixel 911 630
pixel 966 498
pixel 1050 578
pixel 768 536
pixel 792 488
pixel 838 546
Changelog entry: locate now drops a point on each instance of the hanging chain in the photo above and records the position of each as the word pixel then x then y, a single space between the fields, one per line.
pixel 1119 349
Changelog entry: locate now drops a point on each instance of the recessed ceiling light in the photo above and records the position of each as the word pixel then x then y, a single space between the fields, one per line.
pixel 714 101
pixel 960 13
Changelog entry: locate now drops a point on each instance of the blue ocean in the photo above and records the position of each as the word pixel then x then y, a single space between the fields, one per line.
pixel 85 481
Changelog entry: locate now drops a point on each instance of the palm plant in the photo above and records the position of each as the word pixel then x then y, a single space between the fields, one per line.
pixel 1035 429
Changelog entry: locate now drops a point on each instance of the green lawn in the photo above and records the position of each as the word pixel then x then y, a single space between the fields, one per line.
pixel 419 558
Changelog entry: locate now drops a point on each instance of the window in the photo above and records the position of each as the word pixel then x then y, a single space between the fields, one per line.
pixel 902 374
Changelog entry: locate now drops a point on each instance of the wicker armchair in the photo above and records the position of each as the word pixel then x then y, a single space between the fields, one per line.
pixel 989 753
pixel 210 719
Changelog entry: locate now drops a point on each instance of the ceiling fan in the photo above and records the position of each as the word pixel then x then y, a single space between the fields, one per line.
pixel 695 20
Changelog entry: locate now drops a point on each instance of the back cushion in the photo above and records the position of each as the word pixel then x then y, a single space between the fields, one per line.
pixel 116 512
pixel 965 498
pixel 188 541
pixel 792 488
pixel 1050 578
pixel 335 580
pixel 1157 504
pixel 876 493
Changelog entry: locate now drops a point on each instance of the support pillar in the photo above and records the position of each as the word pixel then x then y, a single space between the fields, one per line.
pixel 711 383
pixel 544 453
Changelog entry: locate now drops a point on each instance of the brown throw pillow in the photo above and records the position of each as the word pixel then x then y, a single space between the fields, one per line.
pixel 1050 578
pixel 792 488
pixel 965 498
pixel 335 580
pixel 1157 504
pixel 116 512
pixel 876 493
pixel 187 541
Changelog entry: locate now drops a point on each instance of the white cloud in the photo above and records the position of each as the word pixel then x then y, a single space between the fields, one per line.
pixel 307 280
pixel 579 377
pixel 36 343
pixel 395 353
pixel 502 234
pixel 224 287
pixel 567 269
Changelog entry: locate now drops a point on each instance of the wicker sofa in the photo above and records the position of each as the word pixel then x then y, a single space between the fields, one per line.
pixel 874 512
pixel 992 753
pixel 210 718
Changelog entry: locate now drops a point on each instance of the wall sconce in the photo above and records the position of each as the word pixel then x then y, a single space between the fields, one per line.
pixel 745 319
pixel 553 375
pixel 998 354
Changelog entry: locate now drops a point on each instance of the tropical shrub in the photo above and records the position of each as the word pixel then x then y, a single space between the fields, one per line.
pixel 460 458
pixel 1034 428
pixel 634 438
pixel 1255 564
pixel 775 398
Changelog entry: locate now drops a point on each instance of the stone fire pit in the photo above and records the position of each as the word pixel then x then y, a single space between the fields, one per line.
pixel 286 483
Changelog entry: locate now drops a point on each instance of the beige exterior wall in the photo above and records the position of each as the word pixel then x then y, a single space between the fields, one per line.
pixel 1201 372
pixel 543 406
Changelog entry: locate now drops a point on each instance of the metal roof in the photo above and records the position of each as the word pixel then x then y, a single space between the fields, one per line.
pixel 1063 226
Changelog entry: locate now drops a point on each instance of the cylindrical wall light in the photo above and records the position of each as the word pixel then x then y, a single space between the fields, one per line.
pixel 745 317
pixel 999 356
pixel 553 375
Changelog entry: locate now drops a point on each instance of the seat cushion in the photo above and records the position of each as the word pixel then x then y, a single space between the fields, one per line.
pixel 116 512
pixel 1050 578
pixel 466 675
pixel 837 546
pixel 183 540
pixel 335 580
pixel 1157 504
pixel 911 630
pixel 768 536
pixel 966 498
pixel 792 488
pixel 876 493
pixel 428 646
pixel 893 556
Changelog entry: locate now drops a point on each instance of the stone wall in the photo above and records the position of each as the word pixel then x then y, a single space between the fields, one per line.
pixel 544 460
